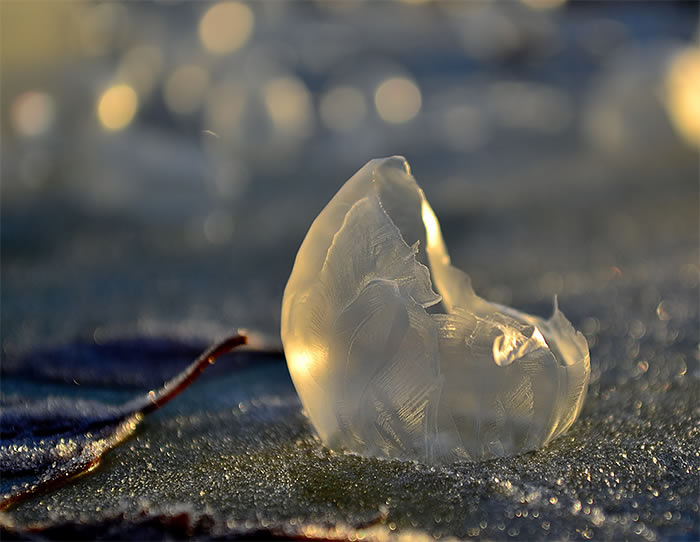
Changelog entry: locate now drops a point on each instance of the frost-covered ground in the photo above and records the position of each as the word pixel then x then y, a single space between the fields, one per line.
pixel 547 143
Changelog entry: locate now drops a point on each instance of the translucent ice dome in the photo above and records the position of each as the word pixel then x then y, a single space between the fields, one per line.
pixel 379 374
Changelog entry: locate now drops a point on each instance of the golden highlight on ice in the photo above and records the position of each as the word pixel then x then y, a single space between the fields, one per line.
pixel 470 381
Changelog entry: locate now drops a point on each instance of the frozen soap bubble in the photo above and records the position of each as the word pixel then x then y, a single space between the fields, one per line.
pixel 380 375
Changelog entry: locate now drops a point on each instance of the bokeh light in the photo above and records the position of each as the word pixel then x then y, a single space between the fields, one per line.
pixel 226 27
pixel 141 67
pixel 343 108
pixel 288 105
pixel 32 113
pixel 683 93
pixel 398 100
pixel 625 115
pixel 117 107
pixel 185 88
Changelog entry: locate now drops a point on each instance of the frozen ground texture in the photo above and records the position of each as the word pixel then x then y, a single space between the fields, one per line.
pixel 117 267
pixel 235 455
pixel 381 376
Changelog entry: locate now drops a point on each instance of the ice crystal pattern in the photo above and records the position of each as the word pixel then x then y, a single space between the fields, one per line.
pixel 383 370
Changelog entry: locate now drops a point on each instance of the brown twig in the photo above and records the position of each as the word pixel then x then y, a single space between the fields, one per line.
pixel 131 414
pixel 171 389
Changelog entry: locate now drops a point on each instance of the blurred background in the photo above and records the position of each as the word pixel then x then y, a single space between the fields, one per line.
pixel 161 162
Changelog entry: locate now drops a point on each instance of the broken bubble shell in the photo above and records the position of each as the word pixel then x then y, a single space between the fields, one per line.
pixel 394 355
